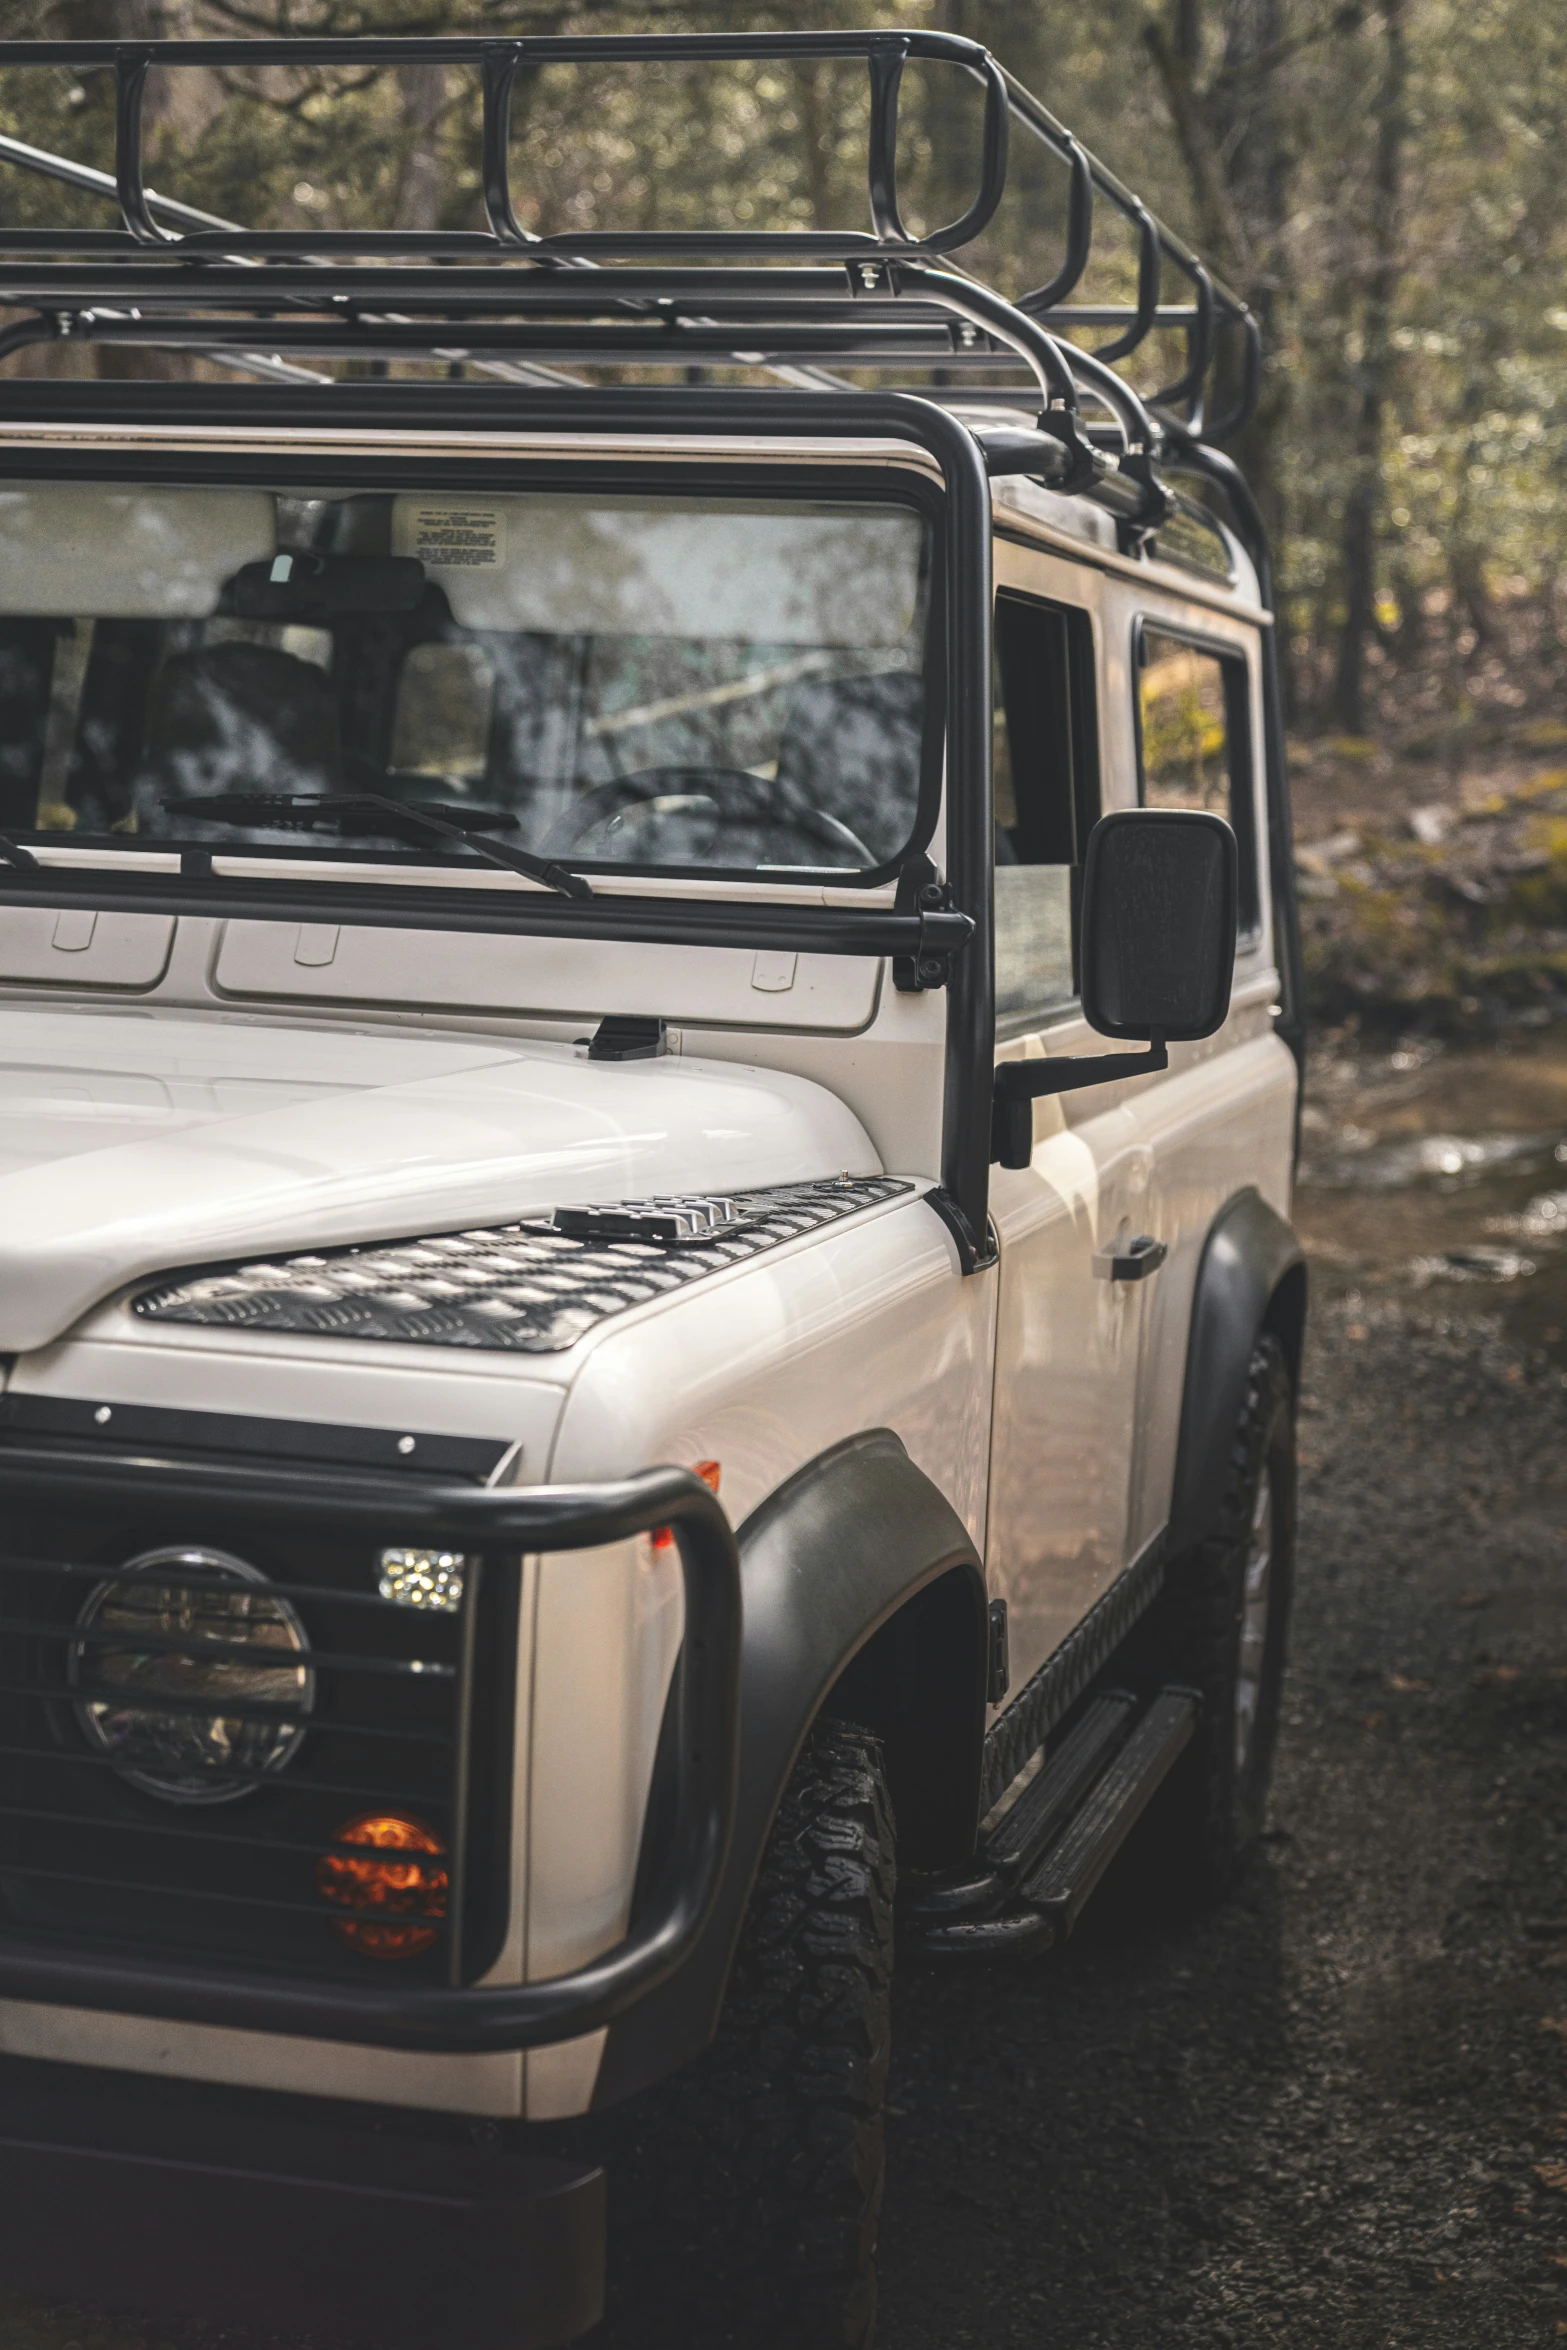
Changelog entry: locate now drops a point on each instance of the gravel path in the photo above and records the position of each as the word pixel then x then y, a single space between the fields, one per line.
pixel 1330 2116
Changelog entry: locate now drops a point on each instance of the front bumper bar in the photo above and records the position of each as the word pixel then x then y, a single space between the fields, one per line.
pixel 500 1525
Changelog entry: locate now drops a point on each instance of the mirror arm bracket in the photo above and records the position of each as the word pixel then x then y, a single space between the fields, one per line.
pixel 1019 1084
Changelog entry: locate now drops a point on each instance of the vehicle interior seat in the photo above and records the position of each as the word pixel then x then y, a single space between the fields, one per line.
pixel 851 746
pixel 236 718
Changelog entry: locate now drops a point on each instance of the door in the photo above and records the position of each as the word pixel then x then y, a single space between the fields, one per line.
pixel 1223 1116
pixel 1069 1337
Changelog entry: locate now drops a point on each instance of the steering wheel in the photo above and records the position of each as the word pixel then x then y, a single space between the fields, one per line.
pixel 680 815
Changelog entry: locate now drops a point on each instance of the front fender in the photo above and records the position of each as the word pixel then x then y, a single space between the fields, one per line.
pixel 826 1561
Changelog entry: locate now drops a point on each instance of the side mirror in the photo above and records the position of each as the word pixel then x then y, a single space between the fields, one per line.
pixel 1161 890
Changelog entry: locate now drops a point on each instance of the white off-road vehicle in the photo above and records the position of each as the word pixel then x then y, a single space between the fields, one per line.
pixel 604 1385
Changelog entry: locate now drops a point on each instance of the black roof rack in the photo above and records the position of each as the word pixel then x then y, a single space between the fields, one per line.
pixel 791 302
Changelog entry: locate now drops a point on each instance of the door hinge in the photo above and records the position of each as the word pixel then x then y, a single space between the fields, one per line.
pixel 998 1673
pixel 921 892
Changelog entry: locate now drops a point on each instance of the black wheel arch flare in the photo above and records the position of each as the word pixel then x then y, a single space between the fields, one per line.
pixel 1251 1279
pixel 865 1596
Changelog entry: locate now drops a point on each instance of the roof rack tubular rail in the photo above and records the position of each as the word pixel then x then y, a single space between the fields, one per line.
pixel 181 234
pixel 1150 271
pixel 1048 360
pixel 886 62
pixel 1141 436
pixel 179 229
pixel 131 69
pixel 1188 386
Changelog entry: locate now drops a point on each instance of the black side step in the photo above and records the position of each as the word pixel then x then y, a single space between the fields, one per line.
pixel 1061 1835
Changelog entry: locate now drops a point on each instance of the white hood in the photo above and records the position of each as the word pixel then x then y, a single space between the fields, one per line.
pixel 136 1142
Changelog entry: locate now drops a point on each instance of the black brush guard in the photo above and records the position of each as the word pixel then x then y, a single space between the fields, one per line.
pixel 498 1527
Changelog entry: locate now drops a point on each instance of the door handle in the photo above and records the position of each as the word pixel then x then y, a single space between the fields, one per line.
pixel 1134 1260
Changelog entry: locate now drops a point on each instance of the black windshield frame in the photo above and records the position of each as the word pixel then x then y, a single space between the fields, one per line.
pixel 936 935
pixel 693 478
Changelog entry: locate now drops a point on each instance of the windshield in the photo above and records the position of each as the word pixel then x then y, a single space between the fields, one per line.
pixel 685 683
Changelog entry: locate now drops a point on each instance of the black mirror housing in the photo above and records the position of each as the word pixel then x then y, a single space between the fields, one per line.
pixel 310 586
pixel 1161 895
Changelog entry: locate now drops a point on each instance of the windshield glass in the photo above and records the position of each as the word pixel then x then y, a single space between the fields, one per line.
pixel 687 683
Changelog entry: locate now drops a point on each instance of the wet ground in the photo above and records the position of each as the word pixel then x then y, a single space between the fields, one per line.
pixel 1333 2116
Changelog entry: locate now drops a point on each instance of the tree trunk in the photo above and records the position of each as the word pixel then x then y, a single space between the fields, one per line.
pixel 1232 129
pixel 1377 365
pixel 419 185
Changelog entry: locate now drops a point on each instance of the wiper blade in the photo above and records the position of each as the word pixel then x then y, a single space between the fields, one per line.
pixel 13 853
pixel 306 810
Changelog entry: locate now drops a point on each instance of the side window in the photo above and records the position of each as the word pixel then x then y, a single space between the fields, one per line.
pixel 445 703
pixel 1047 797
pixel 1194 736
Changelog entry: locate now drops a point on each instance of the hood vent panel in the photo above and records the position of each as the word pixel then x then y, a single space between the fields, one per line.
pixel 534 1287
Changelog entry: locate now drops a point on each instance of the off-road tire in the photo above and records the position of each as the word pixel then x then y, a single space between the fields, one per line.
pixel 772 2144
pixel 1211 1810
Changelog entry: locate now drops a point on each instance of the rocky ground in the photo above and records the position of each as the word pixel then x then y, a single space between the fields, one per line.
pixel 1434 893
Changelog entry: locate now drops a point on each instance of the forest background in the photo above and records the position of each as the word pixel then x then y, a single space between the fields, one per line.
pixel 1382 184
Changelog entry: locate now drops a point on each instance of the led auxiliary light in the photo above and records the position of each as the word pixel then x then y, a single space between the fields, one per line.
pixel 204 1629
pixel 427 1579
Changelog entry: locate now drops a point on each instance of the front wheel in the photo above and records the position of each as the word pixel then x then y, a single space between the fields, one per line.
pixel 769 2149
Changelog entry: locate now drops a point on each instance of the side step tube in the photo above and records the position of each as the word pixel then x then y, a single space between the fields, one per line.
pixel 1064 1831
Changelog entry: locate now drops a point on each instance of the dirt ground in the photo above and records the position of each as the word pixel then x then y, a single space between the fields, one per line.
pixel 1333 2116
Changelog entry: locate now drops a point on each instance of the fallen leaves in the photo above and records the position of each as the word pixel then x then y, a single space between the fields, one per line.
pixel 1408 1684
pixel 1556 2024
pixel 1372 1721
pixel 1477 1599
pixel 1554 2174
pixel 1493 1676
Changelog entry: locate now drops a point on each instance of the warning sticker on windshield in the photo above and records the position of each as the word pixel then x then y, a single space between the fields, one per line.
pixel 450 537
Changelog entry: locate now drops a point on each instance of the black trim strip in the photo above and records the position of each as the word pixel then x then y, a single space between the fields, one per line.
pixel 111 1426
pixel 756 923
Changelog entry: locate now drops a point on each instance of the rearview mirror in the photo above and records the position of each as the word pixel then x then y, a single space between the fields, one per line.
pixel 1160 898
pixel 311 586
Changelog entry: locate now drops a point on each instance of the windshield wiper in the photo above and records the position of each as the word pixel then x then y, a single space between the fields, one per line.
pixel 306 810
pixel 13 853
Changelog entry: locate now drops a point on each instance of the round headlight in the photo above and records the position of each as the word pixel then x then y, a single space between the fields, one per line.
pixel 206 1629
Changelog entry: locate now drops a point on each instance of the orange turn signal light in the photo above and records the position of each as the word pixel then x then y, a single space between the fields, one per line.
pixel 400 1878
pixel 709 1472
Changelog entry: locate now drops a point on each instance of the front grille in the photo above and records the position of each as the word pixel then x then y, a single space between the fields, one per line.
pixel 410 1714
